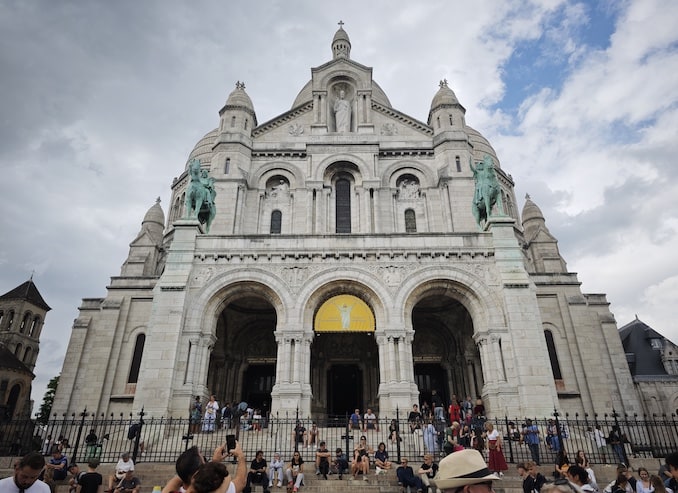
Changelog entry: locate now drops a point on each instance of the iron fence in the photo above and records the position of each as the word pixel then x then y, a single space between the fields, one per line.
pixel 161 439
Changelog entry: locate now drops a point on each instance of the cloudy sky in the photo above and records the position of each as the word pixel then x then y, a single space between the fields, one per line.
pixel 101 103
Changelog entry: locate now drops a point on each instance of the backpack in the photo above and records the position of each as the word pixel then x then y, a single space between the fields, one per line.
pixel 133 431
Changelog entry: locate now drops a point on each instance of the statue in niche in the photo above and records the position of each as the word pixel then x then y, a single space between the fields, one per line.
pixel 282 189
pixel 409 189
pixel 487 189
pixel 342 113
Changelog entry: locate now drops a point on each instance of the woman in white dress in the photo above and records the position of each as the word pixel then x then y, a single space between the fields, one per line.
pixel 211 409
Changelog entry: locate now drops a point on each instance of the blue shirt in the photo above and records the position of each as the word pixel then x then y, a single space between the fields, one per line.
pixel 60 473
pixel 532 435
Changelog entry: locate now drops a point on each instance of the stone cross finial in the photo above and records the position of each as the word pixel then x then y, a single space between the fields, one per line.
pixel 341 24
pixel 443 83
pixel 527 196
pixel 239 85
pixel 157 201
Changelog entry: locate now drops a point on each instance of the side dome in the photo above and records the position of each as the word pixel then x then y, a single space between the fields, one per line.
pixel 306 95
pixel 203 149
pixel 481 146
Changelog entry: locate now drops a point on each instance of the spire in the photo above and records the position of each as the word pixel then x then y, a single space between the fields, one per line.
pixel 341 45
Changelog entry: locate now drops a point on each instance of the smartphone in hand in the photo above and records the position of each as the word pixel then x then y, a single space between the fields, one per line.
pixel 230 443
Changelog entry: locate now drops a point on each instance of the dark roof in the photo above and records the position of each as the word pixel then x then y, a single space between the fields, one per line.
pixel 11 362
pixel 27 291
pixel 635 337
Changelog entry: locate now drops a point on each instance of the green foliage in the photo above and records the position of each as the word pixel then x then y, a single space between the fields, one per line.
pixel 46 407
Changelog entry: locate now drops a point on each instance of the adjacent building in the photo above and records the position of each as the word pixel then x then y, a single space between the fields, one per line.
pixel 22 315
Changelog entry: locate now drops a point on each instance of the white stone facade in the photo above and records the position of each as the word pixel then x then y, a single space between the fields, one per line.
pixel 379 209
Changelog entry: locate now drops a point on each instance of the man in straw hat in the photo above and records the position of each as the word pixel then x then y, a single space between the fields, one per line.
pixel 464 472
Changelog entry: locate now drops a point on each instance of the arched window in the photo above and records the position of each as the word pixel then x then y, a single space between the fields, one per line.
pixel 343 198
pixel 410 221
pixel 553 355
pixel 276 222
pixel 25 322
pixel 232 121
pixel 457 161
pixel 27 354
pixel 10 319
pixel 17 350
pixel 176 210
pixel 2 317
pixel 227 165
pixel 136 359
pixel 247 121
pixel 13 399
pixel 34 327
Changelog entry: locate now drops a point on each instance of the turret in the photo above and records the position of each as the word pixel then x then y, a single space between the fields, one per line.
pixel 341 45
pixel 237 117
pixel 145 249
pixel 446 113
pixel 540 244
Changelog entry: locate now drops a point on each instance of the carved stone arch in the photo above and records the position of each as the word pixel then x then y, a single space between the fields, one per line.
pixel 361 169
pixel 267 171
pixel 363 285
pixel 672 404
pixel 334 77
pixel 132 334
pixel 392 174
pixel 221 289
pixel 483 305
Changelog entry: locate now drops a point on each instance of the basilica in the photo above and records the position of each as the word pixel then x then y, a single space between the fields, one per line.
pixel 344 255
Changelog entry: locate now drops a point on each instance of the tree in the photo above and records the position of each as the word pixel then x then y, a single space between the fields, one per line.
pixel 46 407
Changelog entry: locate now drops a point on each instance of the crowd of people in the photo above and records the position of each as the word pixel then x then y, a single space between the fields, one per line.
pixel 463 471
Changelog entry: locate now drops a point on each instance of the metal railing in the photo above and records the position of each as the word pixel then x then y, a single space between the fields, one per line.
pixel 161 439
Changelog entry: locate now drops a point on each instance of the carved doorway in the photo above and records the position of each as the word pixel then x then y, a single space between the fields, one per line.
pixel 257 385
pixel 344 389
pixel 430 377
pixel 344 373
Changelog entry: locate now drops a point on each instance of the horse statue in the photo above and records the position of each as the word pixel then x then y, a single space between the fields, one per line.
pixel 487 193
pixel 200 195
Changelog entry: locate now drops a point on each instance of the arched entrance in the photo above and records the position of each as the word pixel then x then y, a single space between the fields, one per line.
pixel 445 356
pixel 344 358
pixel 243 358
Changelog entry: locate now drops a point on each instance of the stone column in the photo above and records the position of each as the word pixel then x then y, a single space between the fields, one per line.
pixel 392 355
pixel 192 357
pixel 470 377
pixel 382 346
pixel 495 350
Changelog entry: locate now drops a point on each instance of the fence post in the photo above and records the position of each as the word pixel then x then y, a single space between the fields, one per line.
pixel 510 438
pixel 74 455
pixel 137 437
pixel 560 436
pixel 296 425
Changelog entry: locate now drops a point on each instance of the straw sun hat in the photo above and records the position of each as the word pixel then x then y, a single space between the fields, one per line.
pixel 462 468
